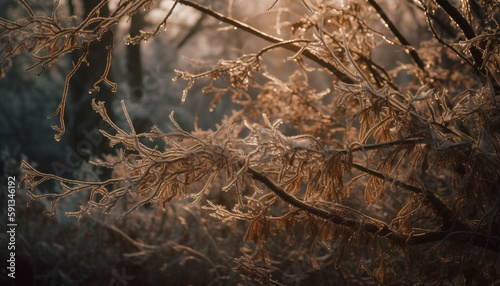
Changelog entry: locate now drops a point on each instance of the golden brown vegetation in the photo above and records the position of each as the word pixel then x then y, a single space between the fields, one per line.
pixel 392 171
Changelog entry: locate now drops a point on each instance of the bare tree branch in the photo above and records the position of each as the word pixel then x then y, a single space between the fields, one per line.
pixel 408 46
pixel 242 26
pixel 464 26
pixel 379 228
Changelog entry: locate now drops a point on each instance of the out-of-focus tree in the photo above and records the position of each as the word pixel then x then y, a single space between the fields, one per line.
pixel 389 169
pixel 83 81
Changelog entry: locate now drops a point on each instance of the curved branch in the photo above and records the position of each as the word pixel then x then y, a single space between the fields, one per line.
pixel 62 105
pixel 380 228
pixel 381 145
pixel 240 25
pixel 437 205
pixel 464 26
pixel 440 40
pixel 445 27
pixel 411 50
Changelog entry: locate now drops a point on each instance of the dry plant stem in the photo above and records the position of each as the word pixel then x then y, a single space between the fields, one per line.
pixel 27 8
pixel 62 105
pixel 380 228
pixel 147 247
pixel 438 38
pixel 434 201
pixel 464 26
pixel 445 27
pixel 384 145
pixel 32 182
pixel 257 57
pixel 164 21
pixel 408 46
pixel 144 36
pixel 50 33
pixel 373 226
pixel 240 25
pixel 104 76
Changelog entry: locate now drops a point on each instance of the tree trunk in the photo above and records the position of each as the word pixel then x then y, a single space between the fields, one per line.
pixel 84 123
pixel 134 62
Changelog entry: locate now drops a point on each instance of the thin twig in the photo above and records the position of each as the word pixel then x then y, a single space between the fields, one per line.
pixel 381 229
pixel 375 146
pixel 437 205
pixel 240 25
pixel 371 227
pixel 409 47
pixel 439 39
pixel 464 26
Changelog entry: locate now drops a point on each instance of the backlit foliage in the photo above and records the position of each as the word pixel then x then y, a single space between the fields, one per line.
pixel 391 171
